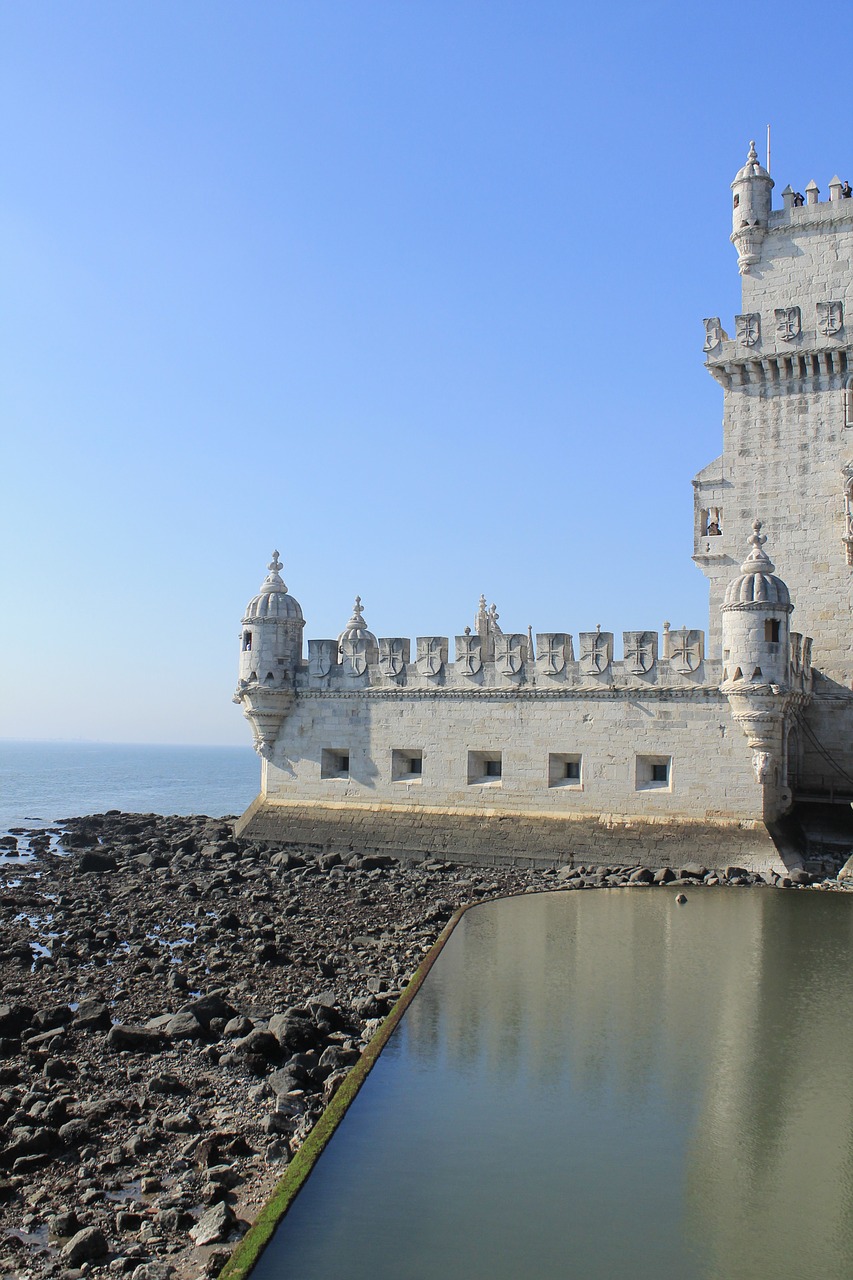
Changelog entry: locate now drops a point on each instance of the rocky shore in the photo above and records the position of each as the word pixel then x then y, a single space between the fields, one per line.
pixel 178 1007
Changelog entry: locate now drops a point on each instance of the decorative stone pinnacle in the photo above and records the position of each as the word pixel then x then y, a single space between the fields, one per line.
pixel 752 158
pixel 758 560
pixel 357 609
pixel 273 580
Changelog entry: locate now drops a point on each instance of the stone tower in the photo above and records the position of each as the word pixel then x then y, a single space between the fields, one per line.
pixel 788 409
pixel 757 667
pixel 270 654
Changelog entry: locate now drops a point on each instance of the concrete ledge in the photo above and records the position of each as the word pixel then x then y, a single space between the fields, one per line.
pixel 493 837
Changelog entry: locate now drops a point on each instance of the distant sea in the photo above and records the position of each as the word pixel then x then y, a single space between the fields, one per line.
pixel 41 782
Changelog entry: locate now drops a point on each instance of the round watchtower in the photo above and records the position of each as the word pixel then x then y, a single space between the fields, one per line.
pixel 756 623
pixel 751 202
pixel 271 638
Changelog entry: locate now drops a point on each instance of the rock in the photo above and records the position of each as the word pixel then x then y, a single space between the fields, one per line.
pixel 184 1026
pixel 664 875
pixel 91 860
pixel 210 1006
pixel 262 1043
pixel 126 1037
pixel 15 1018
pixel 62 1225
pixel 294 1031
pixel 238 1026
pixel 681 899
pixel 214 1225
pixel 87 1245
pixel 641 876
pixel 166 1083
pixel 92 1015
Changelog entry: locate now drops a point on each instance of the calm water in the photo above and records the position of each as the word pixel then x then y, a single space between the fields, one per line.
pixel 41 782
pixel 604 1086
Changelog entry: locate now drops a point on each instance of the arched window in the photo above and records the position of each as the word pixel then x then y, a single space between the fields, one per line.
pixel 247 641
pixel 848 402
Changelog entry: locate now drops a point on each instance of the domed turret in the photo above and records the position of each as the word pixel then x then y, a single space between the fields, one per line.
pixel 271 640
pixel 756 620
pixel 751 204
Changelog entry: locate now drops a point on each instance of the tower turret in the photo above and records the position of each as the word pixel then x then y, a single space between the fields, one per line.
pixel 757 665
pixel 271 639
pixel 270 653
pixel 751 203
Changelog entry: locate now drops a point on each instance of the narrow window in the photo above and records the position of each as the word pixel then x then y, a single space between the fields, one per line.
pixel 737 202
pixel 493 768
pixel 247 641
pixel 660 773
pixel 848 403
pixel 416 765
pixel 756 675
pixel 771 631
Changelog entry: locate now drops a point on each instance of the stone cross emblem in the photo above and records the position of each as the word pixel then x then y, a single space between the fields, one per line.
pixel 748 328
pixel 830 318
pixel 788 323
pixel 431 655
pixel 354 654
pixel 322 655
pixel 640 651
pixel 596 651
pixel 393 656
pixel 555 650
pixel 510 652
pixel 685 650
pixel 713 333
pixel 469 654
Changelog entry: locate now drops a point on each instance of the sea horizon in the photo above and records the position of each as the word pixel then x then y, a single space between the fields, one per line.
pixel 43 782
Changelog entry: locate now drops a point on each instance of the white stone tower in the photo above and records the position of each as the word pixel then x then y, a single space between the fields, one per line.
pixel 787 379
pixel 270 654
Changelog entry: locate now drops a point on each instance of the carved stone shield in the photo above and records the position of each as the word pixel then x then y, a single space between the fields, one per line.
pixel 748 328
pixel 555 650
pixel 322 655
pixel 830 318
pixel 469 655
pixel 596 651
pixel 432 654
pixel 393 655
pixel 510 652
pixel 641 651
pixel 354 655
pixel 788 323
pixel 686 650
pixel 713 333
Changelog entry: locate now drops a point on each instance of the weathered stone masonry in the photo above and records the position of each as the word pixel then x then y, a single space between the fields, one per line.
pixel 505 746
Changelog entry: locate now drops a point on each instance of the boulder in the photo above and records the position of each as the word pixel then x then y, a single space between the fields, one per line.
pixel 128 1038
pixel 85 1246
pixel 214 1226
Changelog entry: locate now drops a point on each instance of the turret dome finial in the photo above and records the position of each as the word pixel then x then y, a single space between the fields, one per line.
pixel 758 561
pixel 753 154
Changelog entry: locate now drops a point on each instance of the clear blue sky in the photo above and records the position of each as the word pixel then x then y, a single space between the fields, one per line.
pixel 411 291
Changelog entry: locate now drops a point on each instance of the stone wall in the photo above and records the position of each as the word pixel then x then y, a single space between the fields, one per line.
pixel 494 837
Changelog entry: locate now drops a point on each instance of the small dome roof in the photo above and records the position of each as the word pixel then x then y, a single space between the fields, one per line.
pixel 757 582
pixel 753 168
pixel 272 601
pixel 356 628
